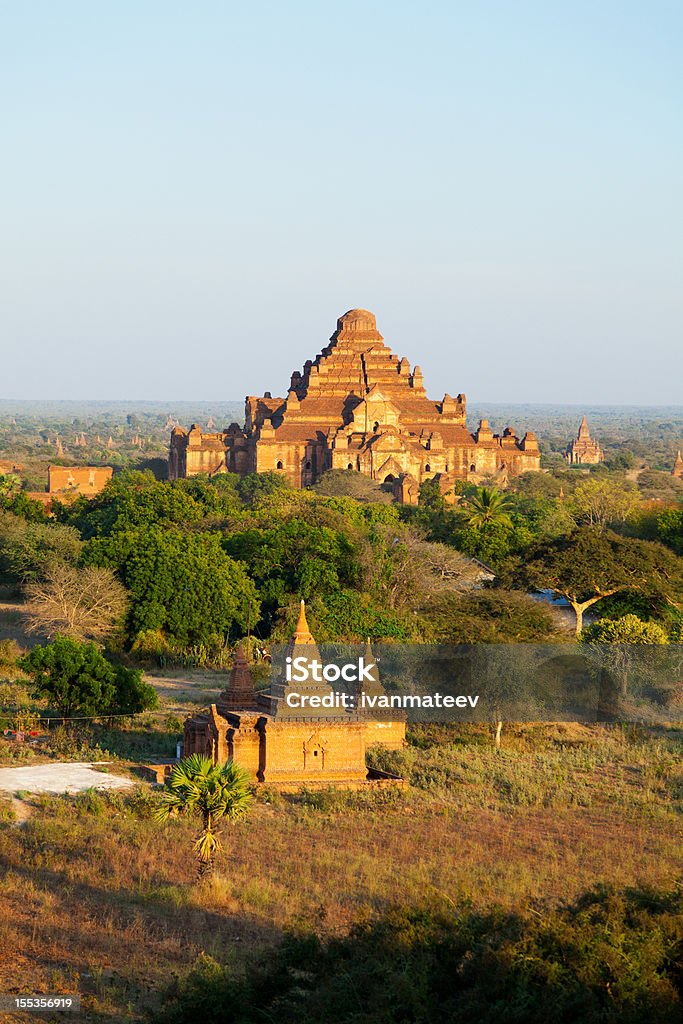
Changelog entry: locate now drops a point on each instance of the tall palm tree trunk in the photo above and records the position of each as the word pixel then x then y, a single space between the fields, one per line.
pixel 207 863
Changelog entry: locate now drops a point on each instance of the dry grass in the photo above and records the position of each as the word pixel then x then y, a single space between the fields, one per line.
pixel 95 896
pixel 187 687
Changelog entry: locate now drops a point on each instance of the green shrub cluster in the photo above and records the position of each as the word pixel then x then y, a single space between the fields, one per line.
pixel 609 958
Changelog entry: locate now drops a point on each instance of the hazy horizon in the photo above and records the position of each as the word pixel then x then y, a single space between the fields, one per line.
pixel 204 404
pixel 240 401
pixel 194 194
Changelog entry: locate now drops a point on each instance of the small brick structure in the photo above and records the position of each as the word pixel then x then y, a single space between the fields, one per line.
pixel 78 480
pixel 43 497
pixel 262 735
pixel 156 771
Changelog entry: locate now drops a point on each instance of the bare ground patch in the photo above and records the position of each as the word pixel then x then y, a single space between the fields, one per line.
pixel 187 687
pixel 13 625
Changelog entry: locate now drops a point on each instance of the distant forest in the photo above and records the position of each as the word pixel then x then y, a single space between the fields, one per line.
pixel 136 434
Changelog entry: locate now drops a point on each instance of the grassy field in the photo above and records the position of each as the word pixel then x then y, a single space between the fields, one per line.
pixel 95 897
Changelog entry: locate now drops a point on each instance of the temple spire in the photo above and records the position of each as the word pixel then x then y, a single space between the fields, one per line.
pixel 677 471
pixel 302 634
pixel 302 650
pixel 584 449
pixel 371 684
pixel 239 694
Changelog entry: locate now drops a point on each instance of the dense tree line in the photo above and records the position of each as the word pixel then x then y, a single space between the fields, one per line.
pixel 202 561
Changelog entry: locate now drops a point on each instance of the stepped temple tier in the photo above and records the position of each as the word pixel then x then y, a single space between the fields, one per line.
pixel 356 406
pixel 584 450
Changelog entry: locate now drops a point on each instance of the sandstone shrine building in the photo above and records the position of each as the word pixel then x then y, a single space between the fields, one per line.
pixel 358 407
pixel 282 746
pixel 585 450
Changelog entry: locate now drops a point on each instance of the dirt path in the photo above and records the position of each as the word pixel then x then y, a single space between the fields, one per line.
pixel 22 811
pixel 60 777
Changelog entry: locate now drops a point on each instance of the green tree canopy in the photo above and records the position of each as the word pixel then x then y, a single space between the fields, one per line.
pixel 79 681
pixel 351 484
pixel 132 502
pixel 493 544
pixel 347 616
pixel 588 565
pixel 603 502
pixel 487 617
pixel 485 507
pixel 10 485
pixel 670 529
pixel 19 503
pixel 218 495
pixel 30 549
pixel 295 557
pixel 255 488
pixel 181 583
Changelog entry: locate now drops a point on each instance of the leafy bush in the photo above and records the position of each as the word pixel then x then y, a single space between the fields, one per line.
pixel 629 629
pixel 141 802
pixel 152 645
pixel 7 812
pixel 75 744
pixel 10 653
pixel 610 958
pixel 90 803
pixel 184 585
pixel 79 681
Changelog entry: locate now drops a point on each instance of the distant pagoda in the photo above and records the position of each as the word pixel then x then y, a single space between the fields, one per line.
pixel 584 450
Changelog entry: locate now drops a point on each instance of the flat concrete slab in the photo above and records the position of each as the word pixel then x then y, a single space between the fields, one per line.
pixel 70 777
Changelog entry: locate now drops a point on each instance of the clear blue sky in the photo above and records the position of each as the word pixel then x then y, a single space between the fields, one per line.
pixel 193 192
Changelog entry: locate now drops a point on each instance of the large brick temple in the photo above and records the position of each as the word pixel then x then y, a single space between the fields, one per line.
pixel 356 406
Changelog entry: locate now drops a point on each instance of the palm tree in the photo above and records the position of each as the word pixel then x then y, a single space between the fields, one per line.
pixel 487 506
pixel 198 786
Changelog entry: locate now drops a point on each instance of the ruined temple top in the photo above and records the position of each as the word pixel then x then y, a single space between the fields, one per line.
pixel 357 325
